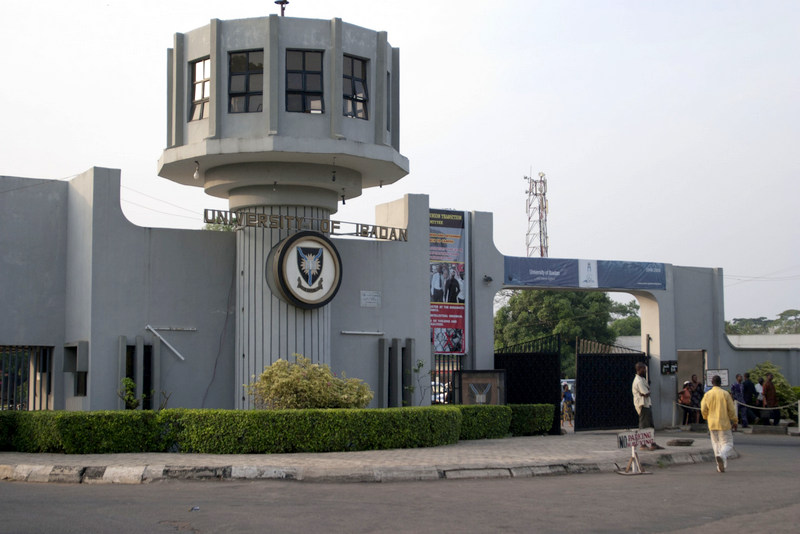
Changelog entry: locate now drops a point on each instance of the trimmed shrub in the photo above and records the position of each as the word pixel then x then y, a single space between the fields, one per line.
pixel 86 432
pixel 484 421
pixel 37 432
pixel 108 431
pixel 531 419
pixel 8 427
pixel 313 430
pixel 302 385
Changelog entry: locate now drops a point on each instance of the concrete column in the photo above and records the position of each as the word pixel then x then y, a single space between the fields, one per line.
pixel 268 328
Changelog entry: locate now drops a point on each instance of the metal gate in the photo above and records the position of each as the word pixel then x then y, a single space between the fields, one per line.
pixel 604 374
pixel 26 380
pixel 533 374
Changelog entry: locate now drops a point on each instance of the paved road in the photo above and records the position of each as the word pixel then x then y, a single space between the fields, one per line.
pixel 759 492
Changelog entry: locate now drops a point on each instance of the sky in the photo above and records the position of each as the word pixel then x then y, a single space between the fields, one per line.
pixel 668 131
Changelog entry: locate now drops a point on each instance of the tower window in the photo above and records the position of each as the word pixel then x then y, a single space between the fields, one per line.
pixel 354 86
pixel 201 89
pixel 304 81
pixel 246 81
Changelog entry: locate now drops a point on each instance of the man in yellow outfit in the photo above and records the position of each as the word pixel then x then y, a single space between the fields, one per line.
pixel 717 408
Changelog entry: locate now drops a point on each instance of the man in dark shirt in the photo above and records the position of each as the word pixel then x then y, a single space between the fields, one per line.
pixel 750 397
pixel 771 400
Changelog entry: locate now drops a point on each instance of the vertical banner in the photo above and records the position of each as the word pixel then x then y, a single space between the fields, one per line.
pixel 448 281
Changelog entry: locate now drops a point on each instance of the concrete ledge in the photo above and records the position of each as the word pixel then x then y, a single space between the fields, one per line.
pixel 255 472
pixel 769 429
pixel 458 474
pixel 93 475
pixel 67 473
pixel 679 458
pixel 401 474
pixel 153 473
pixel 124 475
pixel 336 475
pixel 39 473
pixel 182 472
pixel 703 456
pixel 7 472
pixel 583 468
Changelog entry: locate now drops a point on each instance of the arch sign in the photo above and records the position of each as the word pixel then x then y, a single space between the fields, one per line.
pixel 597 274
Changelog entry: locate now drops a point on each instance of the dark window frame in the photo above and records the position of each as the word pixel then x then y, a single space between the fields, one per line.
pixel 200 107
pixel 301 93
pixel 252 92
pixel 355 91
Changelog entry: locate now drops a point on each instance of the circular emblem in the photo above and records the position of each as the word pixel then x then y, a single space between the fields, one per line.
pixel 305 269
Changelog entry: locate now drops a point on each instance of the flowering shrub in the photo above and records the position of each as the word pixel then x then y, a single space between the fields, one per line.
pixel 300 385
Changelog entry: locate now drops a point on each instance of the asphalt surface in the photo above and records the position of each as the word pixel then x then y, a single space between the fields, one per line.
pixel 570 453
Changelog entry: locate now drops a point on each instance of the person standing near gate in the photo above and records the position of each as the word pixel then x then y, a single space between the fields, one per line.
pixel 717 408
pixel 771 401
pixel 641 401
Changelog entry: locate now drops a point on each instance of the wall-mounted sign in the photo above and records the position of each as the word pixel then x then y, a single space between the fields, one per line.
pixel 305 269
pixel 245 219
pixel 723 376
pixel 448 277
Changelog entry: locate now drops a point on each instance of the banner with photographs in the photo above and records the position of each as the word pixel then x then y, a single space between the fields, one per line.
pixel 448 281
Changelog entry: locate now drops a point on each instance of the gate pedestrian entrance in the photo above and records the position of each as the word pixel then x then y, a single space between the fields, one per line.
pixel 604 374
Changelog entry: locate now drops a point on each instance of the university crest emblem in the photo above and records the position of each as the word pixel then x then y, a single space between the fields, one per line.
pixel 305 270
pixel 310 262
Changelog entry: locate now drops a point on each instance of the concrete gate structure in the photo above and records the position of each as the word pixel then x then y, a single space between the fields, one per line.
pixel 284 117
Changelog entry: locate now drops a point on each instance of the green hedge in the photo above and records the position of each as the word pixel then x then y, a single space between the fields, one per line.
pixel 485 421
pixel 8 427
pixel 531 419
pixel 231 431
pixel 265 431
pixel 86 432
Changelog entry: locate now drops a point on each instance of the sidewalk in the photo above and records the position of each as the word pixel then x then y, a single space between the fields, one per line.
pixel 572 453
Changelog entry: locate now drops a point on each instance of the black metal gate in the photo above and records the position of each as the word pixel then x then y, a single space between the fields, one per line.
pixel 26 380
pixel 533 374
pixel 604 374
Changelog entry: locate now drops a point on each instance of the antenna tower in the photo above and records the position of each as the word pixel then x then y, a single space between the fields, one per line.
pixel 536 207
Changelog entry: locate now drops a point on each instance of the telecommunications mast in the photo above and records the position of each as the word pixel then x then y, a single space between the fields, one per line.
pixel 536 207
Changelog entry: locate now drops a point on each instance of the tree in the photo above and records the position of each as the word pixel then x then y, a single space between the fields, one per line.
pixel 532 313
pixel 747 327
pixel 788 322
pixel 215 227
pixel 625 319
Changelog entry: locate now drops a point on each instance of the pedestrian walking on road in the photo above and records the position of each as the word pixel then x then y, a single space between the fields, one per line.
pixel 641 401
pixel 717 408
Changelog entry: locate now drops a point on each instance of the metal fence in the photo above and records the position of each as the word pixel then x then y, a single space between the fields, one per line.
pixel 26 380
pixel 442 385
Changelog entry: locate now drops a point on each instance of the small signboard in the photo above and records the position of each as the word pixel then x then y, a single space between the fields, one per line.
pixel 723 375
pixel 636 438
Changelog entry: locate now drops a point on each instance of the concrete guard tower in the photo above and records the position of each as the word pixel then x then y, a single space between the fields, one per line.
pixel 285 118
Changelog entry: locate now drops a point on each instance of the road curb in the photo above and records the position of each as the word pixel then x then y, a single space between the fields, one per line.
pixel 146 474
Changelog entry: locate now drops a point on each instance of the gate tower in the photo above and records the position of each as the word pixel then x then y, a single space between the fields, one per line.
pixel 284 117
